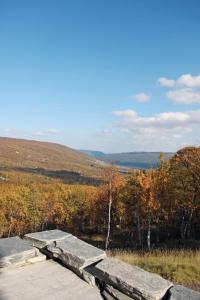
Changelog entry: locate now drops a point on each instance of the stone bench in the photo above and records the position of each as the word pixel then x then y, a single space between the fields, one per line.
pixel 15 251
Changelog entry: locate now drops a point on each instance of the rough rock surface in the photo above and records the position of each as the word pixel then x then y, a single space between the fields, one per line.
pixel 44 238
pixel 14 251
pixel 110 293
pixel 179 292
pixel 88 277
pixel 131 280
pixel 75 253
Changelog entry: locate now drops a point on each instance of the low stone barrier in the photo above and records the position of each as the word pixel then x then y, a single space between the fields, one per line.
pixel 115 279
pixel 43 238
pixel 14 251
pixel 131 280
pixel 179 292
pixel 75 253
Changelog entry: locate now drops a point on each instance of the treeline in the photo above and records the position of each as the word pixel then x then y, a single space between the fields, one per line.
pixel 143 208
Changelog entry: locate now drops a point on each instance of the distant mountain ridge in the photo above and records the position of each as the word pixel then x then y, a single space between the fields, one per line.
pixel 140 160
pixel 20 154
pixel 97 154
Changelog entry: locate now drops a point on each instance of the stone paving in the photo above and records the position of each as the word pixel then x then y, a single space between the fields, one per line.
pixel 44 281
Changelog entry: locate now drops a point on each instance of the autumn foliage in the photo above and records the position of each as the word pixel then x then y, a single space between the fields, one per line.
pixel 147 208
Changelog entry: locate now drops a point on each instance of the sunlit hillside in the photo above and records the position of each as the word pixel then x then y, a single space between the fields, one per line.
pixel 21 154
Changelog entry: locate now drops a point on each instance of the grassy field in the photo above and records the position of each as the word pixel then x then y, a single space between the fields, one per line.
pixel 179 266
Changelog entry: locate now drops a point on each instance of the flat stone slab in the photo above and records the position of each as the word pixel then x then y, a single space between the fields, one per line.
pixel 43 238
pixel 46 280
pixel 179 292
pixel 131 280
pixel 75 253
pixel 14 251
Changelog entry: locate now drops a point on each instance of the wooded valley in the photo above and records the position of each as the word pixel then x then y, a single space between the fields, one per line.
pixel 148 209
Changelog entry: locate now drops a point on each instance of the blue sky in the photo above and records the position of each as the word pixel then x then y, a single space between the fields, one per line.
pixel 106 75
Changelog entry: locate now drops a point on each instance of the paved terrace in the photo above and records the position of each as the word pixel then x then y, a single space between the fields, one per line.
pixel 57 265
pixel 46 280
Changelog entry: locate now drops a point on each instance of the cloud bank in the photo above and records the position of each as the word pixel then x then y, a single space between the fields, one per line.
pixel 186 89
pixel 161 130
pixel 185 80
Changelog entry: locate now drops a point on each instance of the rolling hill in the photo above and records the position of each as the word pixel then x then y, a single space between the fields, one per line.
pixel 61 162
pixel 26 155
pixel 138 160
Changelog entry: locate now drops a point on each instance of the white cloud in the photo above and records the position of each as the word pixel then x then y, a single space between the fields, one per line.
pixel 165 131
pixel 124 130
pixel 184 96
pixel 177 136
pixel 186 89
pixel 159 130
pixel 162 119
pixel 12 130
pixel 39 133
pixel 188 80
pixel 129 113
pixel 185 80
pixel 141 97
pixel 46 132
pixel 163 81
pixel 171 117
pixel 52 130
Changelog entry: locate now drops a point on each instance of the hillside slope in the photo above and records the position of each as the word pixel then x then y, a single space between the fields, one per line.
pixel 18 153
pixel 141 160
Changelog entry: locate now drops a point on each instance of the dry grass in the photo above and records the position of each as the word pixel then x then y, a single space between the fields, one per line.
pixel 179 266
pixel 49 156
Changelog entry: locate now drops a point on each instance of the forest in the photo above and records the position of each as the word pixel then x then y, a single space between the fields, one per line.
pixel 143 209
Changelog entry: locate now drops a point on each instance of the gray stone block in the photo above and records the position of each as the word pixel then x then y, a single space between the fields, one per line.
pixel 131 280
pixel 44 238
pixel 88 277
pixel 179 292
pixel 75 253
pixel 15 251
pixel 110 293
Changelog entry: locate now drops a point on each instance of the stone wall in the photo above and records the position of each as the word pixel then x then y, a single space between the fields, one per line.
pixel 114 278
